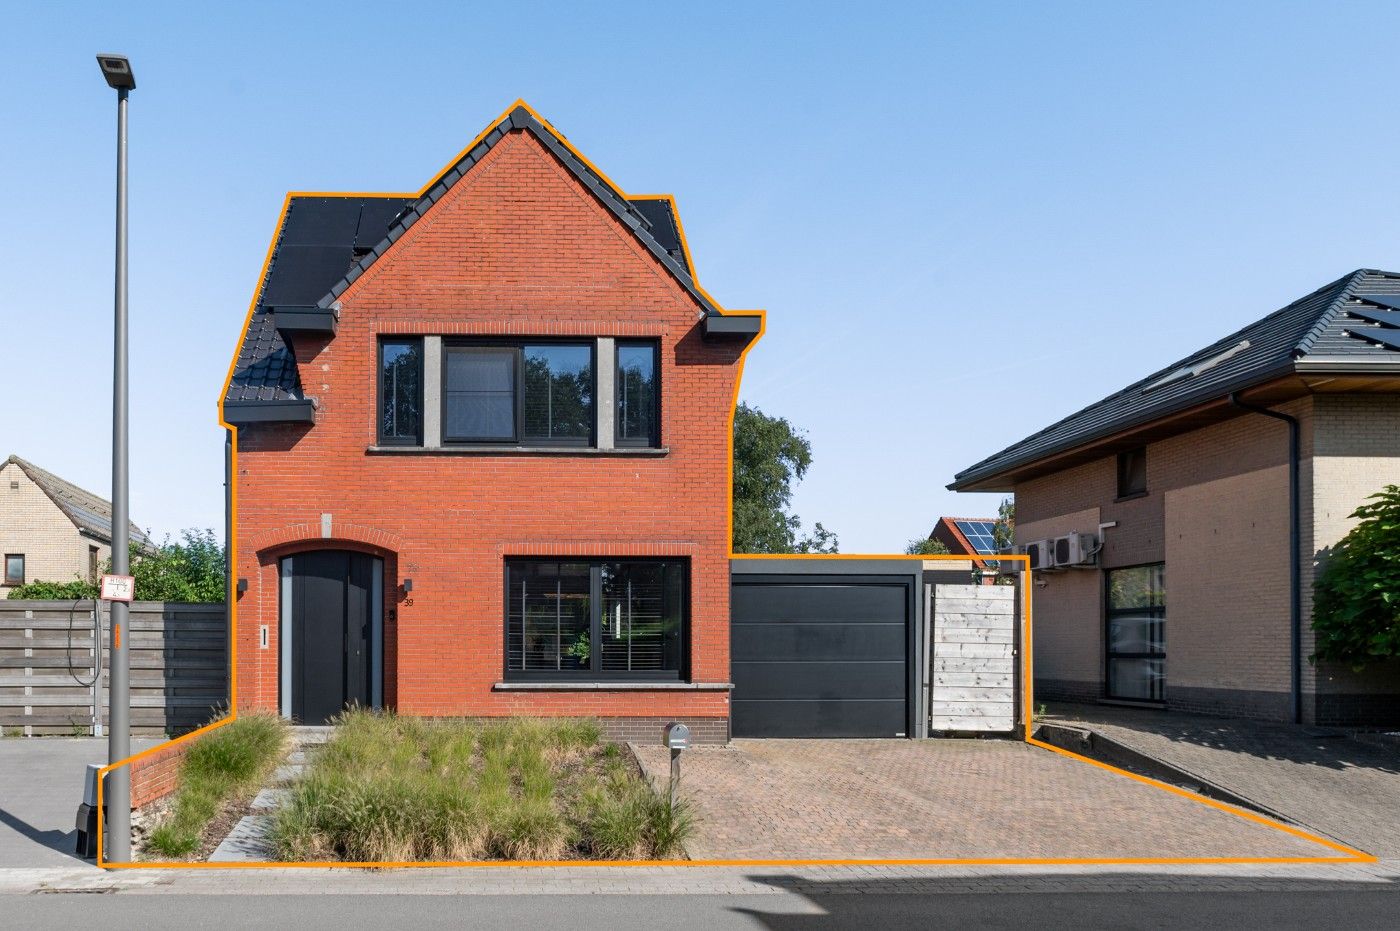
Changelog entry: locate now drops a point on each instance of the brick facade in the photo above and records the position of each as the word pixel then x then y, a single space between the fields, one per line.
pixel 516 248
pixel 1216 513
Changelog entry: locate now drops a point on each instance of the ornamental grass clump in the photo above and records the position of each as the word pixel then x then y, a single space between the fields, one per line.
pixel 223 766
pixel 391 789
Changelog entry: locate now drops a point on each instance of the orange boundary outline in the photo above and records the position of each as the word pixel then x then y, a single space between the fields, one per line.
pixel 1350 855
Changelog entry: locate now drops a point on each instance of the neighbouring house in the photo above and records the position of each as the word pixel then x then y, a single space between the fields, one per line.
pixel 1178 524
pixel 50 529
pixel 967 536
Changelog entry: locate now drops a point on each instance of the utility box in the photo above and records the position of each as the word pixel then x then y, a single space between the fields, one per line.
pixel 87 815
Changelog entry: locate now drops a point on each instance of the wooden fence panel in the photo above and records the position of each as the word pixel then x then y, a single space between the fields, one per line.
pixel 179 666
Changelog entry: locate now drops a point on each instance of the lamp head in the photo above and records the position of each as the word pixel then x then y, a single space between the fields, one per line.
pixel 117 70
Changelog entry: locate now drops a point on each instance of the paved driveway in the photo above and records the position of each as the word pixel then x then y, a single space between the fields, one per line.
pixel 960 799
pixel 41 786
pixel 1318 778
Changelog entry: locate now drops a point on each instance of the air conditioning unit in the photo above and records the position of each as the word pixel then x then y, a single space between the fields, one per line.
pixel 1041 553
pixel 1075 549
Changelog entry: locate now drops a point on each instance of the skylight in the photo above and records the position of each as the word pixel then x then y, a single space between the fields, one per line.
pixel 1196 368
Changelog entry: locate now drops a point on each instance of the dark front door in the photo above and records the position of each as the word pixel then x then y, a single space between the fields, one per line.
pixel 328 605
pixel 820 655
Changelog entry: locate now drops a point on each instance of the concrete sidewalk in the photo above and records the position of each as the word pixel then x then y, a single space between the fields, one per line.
pixel 711 880
pixel 41 785
pixel 1318 778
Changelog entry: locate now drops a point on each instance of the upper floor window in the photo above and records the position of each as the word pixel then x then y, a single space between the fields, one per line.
pixel 537 393
pixel 401 392
pixel 638 394
pixel 14 568
pixel 1132 472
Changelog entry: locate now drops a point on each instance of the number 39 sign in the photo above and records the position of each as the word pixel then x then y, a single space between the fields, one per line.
pixel 118 587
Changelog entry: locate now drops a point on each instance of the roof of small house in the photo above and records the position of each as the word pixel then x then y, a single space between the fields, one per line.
pixel 89 513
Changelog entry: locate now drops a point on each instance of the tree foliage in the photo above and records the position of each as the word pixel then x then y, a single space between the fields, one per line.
pixel 190 569
pixel 1004 530
pixel 1356 598
pixel 770 456
pixel 925 546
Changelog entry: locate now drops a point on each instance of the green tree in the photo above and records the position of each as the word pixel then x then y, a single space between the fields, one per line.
pixel 770 456
pixel 190 569
pixel 1356 598
pixel 925 546
pixel 1004 530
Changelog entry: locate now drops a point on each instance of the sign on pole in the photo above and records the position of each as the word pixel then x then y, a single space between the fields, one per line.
pixel 118 588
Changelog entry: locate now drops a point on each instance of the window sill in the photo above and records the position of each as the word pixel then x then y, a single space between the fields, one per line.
pixel 1132 497
pixel 508 450
pixel 624 685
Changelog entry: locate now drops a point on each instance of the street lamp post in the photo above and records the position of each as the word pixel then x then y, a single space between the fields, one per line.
pixel 117 70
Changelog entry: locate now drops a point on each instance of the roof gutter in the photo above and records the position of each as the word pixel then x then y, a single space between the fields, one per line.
pixel 1295 606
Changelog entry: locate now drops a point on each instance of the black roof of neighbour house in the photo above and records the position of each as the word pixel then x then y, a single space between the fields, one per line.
pixel 1351 326
pixel 326 242
pixel 89 513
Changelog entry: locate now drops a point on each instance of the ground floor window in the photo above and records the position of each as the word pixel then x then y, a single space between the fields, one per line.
pixel 600 619
pixel 1136 636
pixel 14 568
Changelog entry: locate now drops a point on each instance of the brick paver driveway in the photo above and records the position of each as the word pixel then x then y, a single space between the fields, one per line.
pixel 861 799
pixel 1317 778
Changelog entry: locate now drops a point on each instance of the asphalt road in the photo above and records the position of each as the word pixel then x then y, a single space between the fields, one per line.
pixel 1346 908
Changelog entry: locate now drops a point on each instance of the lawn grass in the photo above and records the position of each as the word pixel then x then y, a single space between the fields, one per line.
pixel 229 763
pixel 392 789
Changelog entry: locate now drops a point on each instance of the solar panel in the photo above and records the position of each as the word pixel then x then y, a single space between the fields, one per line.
pixel 981 534
pixel 321 221
pixel 302 275
pixel 1391 301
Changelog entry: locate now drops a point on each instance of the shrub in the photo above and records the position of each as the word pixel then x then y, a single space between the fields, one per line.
pixel 386 788
pixel 230 762
pixel 1356 598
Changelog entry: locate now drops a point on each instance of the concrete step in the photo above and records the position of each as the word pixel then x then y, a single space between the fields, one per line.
pixel 270 800
pixel 250 840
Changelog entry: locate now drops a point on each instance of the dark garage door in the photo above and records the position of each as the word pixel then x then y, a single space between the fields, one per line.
pixel 820 656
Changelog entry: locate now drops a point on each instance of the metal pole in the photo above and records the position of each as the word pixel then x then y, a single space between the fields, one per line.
pixel 118 792
pixel 675 776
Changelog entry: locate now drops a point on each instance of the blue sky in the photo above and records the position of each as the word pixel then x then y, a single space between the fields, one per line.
pixel 965 220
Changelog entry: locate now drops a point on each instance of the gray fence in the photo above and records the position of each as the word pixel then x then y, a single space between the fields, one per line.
pixel 179 666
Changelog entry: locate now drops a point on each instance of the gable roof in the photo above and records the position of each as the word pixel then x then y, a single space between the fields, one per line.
pixel 326 241
pixel 1339 328
pixel 89 513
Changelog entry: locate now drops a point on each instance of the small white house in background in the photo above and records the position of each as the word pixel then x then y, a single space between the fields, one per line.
pixel 50 529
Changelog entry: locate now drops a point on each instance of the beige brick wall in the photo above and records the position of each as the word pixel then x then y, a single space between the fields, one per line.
pixel 1216 512
pixel 1357 450
pixel 1067 628
pixel 30 523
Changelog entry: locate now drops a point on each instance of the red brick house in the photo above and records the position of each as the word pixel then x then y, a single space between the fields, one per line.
pixel 483 451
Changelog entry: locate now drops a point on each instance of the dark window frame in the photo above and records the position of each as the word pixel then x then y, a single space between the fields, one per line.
pixel 518 346
pixel 1124 462
pixel 653 441
pixel 380 438
pixel 1110 613
pixel 595 672
pixel 23 568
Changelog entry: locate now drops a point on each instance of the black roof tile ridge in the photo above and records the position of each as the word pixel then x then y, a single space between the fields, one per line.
pixel 1333 310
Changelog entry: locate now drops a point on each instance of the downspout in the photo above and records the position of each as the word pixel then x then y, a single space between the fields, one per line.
pixel 229 583
pixel 1295 573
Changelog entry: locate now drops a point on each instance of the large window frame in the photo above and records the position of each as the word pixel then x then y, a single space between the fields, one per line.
pixel 594 671
pixel 517 348
pixel 1152 613
pixel 654 440
pixel 416 439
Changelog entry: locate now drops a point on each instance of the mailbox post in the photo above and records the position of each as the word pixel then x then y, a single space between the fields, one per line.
pixel 676 737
